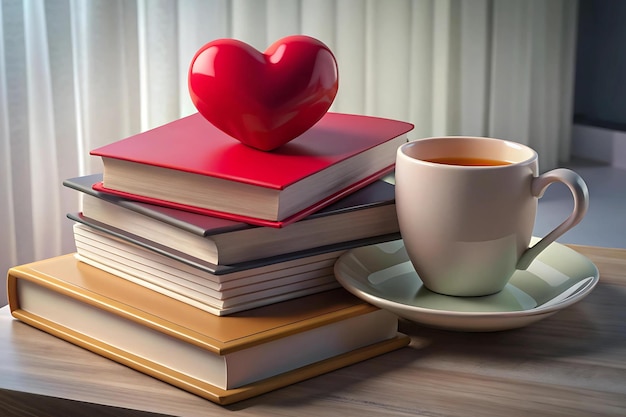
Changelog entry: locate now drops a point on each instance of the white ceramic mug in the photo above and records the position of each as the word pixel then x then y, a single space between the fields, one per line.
pixel 467 228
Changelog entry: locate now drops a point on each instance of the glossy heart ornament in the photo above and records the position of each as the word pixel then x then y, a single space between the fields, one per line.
pixel 264 99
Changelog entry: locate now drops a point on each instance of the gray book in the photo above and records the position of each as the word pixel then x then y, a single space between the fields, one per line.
pixel 364 217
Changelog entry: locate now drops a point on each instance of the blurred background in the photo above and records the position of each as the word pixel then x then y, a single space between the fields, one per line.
pixel 77 74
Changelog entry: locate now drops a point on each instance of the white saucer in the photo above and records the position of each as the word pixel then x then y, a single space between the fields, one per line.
pixel 383 275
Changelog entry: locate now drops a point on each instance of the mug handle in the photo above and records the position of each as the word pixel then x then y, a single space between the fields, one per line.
pixel 581 203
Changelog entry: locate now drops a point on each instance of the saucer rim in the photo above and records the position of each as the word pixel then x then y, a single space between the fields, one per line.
pixel 535 311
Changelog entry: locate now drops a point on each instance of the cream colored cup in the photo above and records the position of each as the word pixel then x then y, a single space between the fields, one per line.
pixel 467 229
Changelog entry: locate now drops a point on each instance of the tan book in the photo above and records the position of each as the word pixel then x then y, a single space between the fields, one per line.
pixel 223 359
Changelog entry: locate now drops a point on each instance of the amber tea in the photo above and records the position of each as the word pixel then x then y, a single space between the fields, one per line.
pixel 467 161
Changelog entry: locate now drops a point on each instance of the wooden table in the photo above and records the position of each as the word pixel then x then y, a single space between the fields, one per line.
pixel 571 364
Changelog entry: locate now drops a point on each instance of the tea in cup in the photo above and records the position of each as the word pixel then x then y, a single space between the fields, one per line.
pixel 466 209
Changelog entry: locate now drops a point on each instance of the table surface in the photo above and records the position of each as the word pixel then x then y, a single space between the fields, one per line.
pixel 570 364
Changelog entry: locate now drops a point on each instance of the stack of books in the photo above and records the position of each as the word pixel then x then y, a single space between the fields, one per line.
pixel 209 265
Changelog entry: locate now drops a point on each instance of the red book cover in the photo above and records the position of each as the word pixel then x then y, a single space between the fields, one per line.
pixel 99 187
pixel 192 144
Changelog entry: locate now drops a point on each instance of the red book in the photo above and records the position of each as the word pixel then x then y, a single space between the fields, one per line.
pixel 189 164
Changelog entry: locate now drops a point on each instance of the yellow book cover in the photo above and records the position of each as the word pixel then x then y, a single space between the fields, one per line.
pixel 224 359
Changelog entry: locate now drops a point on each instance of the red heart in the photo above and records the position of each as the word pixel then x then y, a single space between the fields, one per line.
pixel 264 99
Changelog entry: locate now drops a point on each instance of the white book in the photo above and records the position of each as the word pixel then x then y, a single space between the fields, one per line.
pixel 147 268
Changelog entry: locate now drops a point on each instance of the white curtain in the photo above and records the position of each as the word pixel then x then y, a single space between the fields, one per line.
pixel 77 74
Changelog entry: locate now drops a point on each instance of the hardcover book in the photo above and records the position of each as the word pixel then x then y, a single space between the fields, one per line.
pixel 218 270
pixel 219 295
pixel 366 213
pixel 223 359
pixel 191 165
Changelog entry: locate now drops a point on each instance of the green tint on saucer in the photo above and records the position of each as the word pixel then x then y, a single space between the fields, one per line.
pixel 383 275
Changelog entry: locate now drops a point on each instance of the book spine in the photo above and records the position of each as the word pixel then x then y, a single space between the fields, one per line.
pixel 103 303
pixel 165 374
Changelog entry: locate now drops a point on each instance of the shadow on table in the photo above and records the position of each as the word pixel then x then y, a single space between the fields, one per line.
pixel 596 326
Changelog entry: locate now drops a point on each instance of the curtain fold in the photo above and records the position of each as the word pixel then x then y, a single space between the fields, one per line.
pixel 77 74
pixel 43 159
